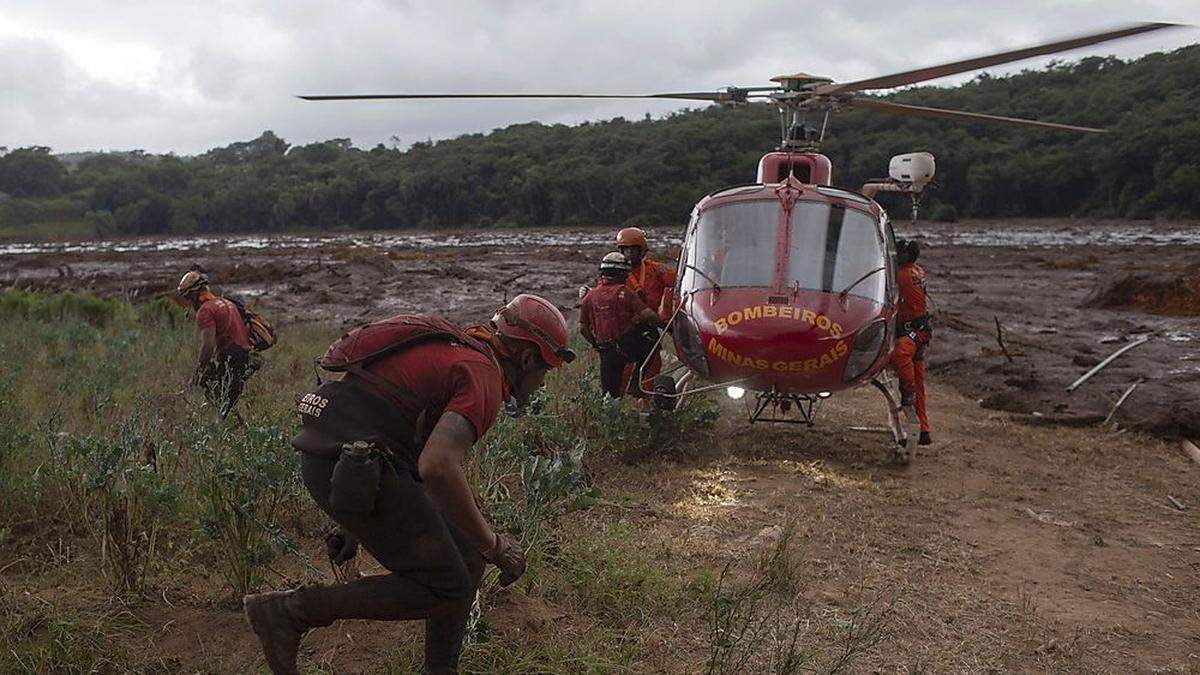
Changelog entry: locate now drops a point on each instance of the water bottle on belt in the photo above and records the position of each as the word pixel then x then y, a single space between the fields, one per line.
pixel 355 482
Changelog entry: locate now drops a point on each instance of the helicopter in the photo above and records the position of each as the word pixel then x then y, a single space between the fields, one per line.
pixel 787 285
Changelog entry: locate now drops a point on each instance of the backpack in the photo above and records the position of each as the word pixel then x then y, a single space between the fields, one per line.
pixel 372 341
pixel 258 329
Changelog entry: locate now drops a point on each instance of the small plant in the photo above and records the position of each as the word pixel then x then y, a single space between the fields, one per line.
pixel 16 493
pixel 777 567
pixel 126 499
pixel 246 474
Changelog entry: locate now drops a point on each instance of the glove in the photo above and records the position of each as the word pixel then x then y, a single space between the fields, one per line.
pixel 583 291
pixel 507 556
pixel 340 546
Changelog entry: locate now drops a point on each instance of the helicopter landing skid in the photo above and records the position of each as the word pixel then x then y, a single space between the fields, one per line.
pixel 883 383
pixel 773 406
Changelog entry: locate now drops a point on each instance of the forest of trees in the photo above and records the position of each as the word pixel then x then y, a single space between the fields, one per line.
pixel 654 170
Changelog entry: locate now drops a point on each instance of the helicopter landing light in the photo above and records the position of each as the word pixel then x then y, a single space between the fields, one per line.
pixel 735 393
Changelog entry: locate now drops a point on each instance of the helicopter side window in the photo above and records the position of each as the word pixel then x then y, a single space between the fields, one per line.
pixel 733 246
pixel 832 248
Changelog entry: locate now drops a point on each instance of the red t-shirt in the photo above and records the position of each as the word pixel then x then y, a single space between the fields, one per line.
pixel 912 292
pixel 609 310
pixel 224 316
pixel 447 376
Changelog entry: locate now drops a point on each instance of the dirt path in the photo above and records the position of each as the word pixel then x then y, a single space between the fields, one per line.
pixel 1004 547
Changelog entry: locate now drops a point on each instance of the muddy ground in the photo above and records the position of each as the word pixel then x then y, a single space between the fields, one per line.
pixel 1007 546
pixel 1066 293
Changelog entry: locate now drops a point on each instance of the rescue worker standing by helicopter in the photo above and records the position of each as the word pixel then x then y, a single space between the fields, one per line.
pixel 382 453
pixel 915 330
pixel 612 320
pixel 654 283
pixel 226 356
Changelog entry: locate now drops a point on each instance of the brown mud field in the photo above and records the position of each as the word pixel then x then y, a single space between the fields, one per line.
pixel 1029 538
pixel 1065 294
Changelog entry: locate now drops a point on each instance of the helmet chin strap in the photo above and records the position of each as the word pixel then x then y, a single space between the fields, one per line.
pixel 506 355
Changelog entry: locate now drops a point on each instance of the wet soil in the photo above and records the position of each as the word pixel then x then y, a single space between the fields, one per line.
pixel 1066 294
pixel 1007 546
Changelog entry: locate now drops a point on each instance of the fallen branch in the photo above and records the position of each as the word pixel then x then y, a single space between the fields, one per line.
pixel 1000 339
pixel 1120 401
pixel 1176 503
pixel 1191 450
pixel 1100 366
pixel 1061 420
pixel 1047 518
pixel 871 430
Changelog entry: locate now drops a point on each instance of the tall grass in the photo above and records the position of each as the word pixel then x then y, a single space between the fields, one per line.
pixel 100 448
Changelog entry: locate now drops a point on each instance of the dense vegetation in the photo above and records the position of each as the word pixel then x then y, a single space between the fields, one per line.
pixel 118 489
pixel 654 170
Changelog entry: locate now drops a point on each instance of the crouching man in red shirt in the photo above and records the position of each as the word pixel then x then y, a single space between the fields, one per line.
pixel 381 454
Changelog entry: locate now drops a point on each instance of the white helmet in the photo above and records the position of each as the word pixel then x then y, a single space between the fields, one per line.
pixel 191 282
pixel 614 262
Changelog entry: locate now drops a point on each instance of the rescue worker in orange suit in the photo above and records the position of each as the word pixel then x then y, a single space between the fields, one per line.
pixel 410 414
pixel 915 330
pixel 613 320
pixel 654 282
pixel 226 357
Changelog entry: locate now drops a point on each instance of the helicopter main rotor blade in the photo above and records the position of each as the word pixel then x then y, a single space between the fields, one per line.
pixel 961 115
pixel 934 72
pixel 688 95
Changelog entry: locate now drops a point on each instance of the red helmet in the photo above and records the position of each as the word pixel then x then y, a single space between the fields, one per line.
pixel 537 320
pixel 631 236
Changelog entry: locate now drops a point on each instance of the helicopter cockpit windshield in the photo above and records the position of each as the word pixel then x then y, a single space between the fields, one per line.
pixel 836 249
pixel 830 248
pixel 733 246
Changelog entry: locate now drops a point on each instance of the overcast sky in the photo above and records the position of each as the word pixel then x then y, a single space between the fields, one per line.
pixel 186 76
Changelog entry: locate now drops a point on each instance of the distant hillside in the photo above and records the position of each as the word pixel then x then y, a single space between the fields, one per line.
pixel 655 170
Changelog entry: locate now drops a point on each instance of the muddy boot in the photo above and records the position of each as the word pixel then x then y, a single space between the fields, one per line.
pixel 924 439
pixel 277 629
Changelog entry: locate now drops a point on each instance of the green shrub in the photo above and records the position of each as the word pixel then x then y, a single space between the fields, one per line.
pixel 22 304
pixel 113 484
pixel 244 475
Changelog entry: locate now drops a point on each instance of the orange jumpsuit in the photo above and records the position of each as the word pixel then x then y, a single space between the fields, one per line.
pixel 654 283
pixel 908 357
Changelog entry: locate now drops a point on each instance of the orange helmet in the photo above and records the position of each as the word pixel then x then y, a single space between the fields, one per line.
pixel 631 236
pixel 535 319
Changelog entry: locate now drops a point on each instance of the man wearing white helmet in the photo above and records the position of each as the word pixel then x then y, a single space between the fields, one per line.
pixel 225 360
pixel 611 320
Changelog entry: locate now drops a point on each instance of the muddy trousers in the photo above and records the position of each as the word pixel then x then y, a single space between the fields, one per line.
pixel 619 357
pixel 433 575
pixel 613 362
pixel 908 360
pixel 225 377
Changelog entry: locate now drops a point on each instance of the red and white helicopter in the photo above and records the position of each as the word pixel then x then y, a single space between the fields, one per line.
pixel 787 285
